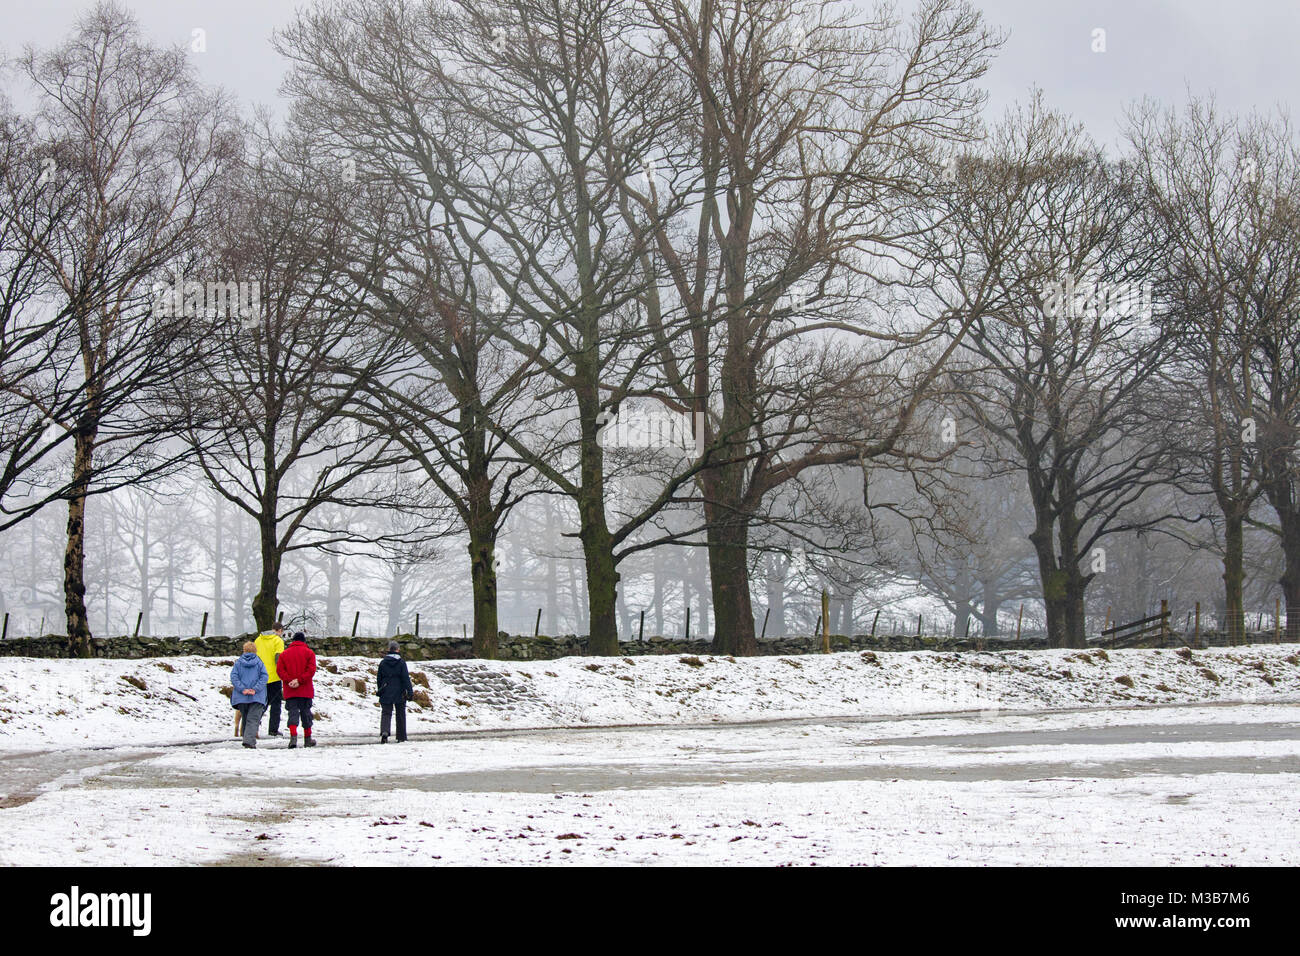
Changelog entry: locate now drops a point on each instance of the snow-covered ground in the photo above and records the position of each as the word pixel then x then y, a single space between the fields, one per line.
pixel 65 703
pixel 1039 757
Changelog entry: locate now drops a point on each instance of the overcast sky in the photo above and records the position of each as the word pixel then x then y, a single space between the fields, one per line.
pixel 1244 51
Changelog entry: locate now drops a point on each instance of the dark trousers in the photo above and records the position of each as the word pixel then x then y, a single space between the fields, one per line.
pixel 273 698
pixel 252 717
pixel 386 711
pixel 299 709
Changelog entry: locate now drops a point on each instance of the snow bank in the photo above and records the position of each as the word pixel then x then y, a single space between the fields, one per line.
pixel 68 703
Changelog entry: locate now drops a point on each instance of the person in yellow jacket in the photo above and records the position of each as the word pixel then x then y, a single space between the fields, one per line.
pixel 269 648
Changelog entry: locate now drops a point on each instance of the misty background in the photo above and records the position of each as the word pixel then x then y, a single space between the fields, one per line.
pixel 170 551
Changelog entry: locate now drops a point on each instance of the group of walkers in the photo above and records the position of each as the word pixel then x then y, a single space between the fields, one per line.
pixel 268 673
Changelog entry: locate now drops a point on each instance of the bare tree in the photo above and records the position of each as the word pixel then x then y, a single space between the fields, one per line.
pixel 1198 201
pixel 1223 195
pixel 971 551
pixel 142 148
pixel 1045 255
pixel 266 399
pixel 784 210
pixel 513 121
pixel 38 391
pixel 452 386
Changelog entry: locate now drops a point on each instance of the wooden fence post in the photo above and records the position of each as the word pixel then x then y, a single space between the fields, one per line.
pixel 138 618
pixel 5 633
pixel 537 625
pixel 765 614
pixel 356 618
pixel 873 623
pixel 640 636
pixel 417 623
pixel 203 628
pixel 688 622
pixel 1164 620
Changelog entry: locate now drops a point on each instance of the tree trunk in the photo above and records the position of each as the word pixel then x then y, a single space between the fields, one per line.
pixel 1280 489
pixel 74 555
pixel 481 521
pixel 483 576
pixel 1075 620
pixel 733 610
pixel 267 600
pixel 624 615
pixel 1234 575
pixel 1063 585
pixel 602 588
pixel 963 603
pixel 597 541
pixel 482 529
pixel 1290 580
pixel 333 594
pixel 1055 592
pixel 776 597
pixel 397 579
pixel 171 576
pixel 990 605
pixel 961 620
pixel 846 612
pixel 577 596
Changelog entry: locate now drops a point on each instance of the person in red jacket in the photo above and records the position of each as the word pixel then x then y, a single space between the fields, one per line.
pixel 296 666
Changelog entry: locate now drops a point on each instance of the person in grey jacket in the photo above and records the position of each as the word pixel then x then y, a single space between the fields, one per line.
pixel 248 691
pixel 394 685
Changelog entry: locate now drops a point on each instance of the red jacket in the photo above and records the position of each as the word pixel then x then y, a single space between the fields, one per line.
pixel 298 662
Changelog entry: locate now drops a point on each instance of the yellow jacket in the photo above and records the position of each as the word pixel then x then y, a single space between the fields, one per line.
pixel 268 646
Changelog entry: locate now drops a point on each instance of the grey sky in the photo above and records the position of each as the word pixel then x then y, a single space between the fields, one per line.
pixel 1243 51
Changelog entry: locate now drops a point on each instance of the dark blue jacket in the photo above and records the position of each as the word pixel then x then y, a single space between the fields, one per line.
pixel 394 681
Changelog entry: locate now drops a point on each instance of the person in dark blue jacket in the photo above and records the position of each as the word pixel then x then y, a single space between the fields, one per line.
pixel 394 685
pixel 248 691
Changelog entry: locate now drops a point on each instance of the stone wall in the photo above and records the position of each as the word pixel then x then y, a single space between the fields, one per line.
pixel 510 647
pixel 528 648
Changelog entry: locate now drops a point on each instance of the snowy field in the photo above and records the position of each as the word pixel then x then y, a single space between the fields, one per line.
pixel 68 703
pixel 1044 757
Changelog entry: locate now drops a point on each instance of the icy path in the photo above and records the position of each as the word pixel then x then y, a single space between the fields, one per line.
pixel 1116 785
